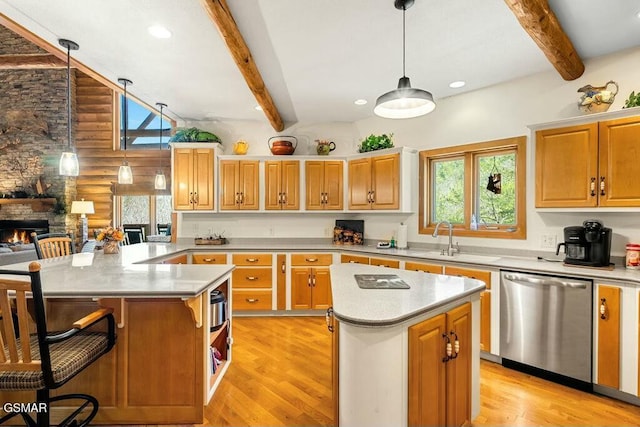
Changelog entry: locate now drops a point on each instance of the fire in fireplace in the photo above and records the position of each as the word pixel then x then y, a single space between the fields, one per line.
pixel 19 231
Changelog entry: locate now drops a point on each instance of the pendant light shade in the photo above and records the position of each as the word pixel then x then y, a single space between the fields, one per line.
pixel 125 175
pixel 160 182
pixel 69 165
pixel 404 102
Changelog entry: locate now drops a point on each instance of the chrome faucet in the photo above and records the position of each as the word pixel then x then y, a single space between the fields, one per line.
pixel 450 249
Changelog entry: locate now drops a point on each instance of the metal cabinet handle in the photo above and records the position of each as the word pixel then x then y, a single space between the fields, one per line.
pixel 283 267
pixel 456 345
pixel 251 259
pixel 373 196
pixel 196 199
pixel 592 186
pixel 251 278
pixel 191 197
pixel 602 185
pixel 311 259
pixel 603 308
pixel 309 280
pixel 329 319
pixel 313 280
pixel 237 198
pixel 241 197
pixel 251 300
pixel 447 347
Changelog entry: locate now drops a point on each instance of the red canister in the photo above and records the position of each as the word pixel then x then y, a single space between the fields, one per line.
pixel 633 256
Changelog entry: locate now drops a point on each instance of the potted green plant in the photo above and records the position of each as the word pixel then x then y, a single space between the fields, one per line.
pixel 376 142
pixel 194 135
pixel 633 100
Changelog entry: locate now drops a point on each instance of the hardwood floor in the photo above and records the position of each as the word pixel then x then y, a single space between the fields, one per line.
pixel 281 376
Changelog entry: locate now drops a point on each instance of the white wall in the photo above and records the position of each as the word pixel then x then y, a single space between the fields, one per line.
pixel 499 111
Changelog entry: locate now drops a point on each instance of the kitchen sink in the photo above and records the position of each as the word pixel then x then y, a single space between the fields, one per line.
pixel 380 281
pixel 487 259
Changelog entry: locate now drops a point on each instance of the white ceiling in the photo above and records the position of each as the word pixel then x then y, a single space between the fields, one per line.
pixel 316 57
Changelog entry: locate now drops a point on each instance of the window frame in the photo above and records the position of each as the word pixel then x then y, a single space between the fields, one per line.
pixel 152 133
pixel 469 152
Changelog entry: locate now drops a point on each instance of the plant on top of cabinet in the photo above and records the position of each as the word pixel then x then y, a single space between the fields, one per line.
pixel 633 100
pixel 194 135
pixel 376 142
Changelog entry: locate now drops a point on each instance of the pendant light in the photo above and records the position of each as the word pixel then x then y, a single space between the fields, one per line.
pixel 125 176
pixel 404 102
pixel 69 165
pixel 160 181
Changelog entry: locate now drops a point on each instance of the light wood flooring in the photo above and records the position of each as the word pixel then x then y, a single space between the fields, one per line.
pixel 280 376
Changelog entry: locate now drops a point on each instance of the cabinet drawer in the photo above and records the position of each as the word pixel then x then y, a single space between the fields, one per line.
pixel 181 259
pixel 212 258
pixel 354 259
pixel 245 299
pixel 483 275
pixel 420 266
pixel 383 262
pixel 311 259
pixel 247 277
pixel 251 259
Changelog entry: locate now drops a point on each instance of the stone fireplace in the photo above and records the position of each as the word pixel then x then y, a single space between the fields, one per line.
pixel 19 231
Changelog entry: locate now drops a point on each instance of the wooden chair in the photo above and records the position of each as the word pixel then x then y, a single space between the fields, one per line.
pixel 46 360
pixel 163 228
pixel 53 245
pixel 136 234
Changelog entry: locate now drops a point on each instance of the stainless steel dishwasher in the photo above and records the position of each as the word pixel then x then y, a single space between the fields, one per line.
pixel 545 323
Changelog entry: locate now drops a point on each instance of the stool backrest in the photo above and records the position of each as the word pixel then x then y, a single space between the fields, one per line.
pixel 53 245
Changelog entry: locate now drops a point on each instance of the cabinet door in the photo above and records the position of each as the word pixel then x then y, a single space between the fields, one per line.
pixel 459 369
pixel 333 185
pixel 300 288
pixel 203 178
pixel 620 162
pixel 320 288
pixel 485 321
pixel 385 181
pixel 182 179
pixel 427 373
pixel 608 336
pixel 314 172
pixel 421 266
pixel 249 193
pixel 384 262
pixel 180 259
pixel 290 184
pixel 273 185
pixel 229 183
pixel 360 183
pixel 353 259
pixel 567 167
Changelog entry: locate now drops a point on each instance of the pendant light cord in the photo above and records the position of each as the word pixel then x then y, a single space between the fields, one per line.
pixel 404 10
pixel 126 119
pixel 160 141
pixel 69 96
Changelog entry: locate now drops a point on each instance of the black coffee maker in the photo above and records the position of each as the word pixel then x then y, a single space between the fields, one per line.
pixel 588 245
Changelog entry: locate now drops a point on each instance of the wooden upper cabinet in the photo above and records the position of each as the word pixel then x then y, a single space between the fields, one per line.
pixel 594 164
pixel 193 179
pixel 239 185
pixel 324 185
pixel 620 162
pixel 374 182
pixel 282 183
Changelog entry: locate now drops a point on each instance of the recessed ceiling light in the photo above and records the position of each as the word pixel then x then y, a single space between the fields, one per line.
pixel 638 14
pixel 159 31
pixel 360 101
pixel 456 84
pixel 258 107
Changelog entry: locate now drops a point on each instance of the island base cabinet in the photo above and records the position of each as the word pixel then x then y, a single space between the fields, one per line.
pixel 157 373
pixel 440 370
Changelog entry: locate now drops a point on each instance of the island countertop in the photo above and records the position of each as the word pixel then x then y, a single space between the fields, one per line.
pixel 129 274
pixel 387 307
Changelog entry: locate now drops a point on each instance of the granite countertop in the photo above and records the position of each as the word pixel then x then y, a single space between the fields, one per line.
pixel 96 275
pixel 386 307
pixel 490 261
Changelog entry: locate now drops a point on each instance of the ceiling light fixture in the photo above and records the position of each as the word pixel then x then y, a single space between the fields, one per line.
pixel 125 175
pixel 160 182
pixel 158 31
pixel 404 102
pixel 360 102
pixel 69 165
pixel 457 84
pixel 258 107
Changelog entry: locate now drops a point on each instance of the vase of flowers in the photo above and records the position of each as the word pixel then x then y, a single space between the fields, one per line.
pixel 112 237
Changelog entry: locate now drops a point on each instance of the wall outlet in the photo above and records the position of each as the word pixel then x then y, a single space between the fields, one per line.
pixel 548 241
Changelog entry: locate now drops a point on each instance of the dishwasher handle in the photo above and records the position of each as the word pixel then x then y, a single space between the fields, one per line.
pixel 546 281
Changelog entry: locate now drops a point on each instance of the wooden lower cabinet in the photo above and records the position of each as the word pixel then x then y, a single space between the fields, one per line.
pixel 440 386
pixel 180 259
pixel 608 344
pixel 385 262
pixel 485 301
pixel 310 281
pixel 353 259
pixel 209 258
pixel 421 266
pixel 252 281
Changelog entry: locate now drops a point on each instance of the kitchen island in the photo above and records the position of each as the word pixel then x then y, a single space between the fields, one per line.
pixel 391 361
pixel 160 370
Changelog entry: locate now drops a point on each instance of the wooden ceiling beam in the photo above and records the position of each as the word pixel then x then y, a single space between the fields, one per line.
pixel 539 21
pixel 30 61
pixel 221 15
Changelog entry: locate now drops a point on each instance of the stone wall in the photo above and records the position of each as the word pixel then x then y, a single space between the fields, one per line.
pixel 33 134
